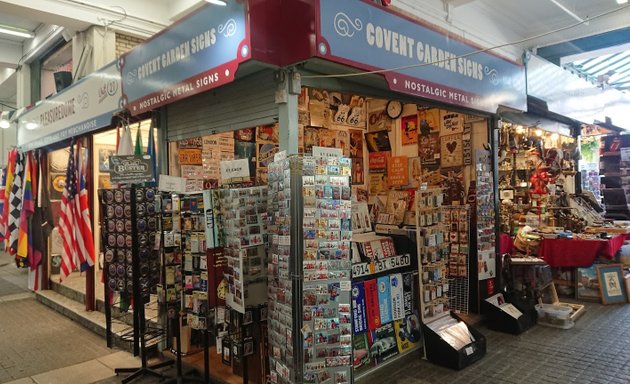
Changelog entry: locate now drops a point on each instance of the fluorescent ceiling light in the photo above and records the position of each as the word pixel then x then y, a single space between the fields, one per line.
pixel 4 124
pixel 30 126
pixel 16 32
pixel 622 1
pixel 223 3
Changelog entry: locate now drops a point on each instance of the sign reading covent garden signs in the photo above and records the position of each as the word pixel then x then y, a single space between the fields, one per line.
pixel 85 106
pixel 425 62
pixel 198 53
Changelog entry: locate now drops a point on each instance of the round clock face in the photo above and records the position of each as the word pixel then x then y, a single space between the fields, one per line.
pixel 394 109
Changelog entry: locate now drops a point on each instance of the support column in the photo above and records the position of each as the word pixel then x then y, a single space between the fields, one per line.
pixel 23 86
pixel 289 87
pixel 92 49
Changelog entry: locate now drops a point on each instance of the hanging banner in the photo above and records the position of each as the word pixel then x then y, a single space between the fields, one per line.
pixel 83 107
pixel 438 66
pixel 198 53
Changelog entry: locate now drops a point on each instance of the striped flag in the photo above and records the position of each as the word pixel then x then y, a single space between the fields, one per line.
pixel 15 205
pixel 67 219
pixel 8 184
pixel 3 200
pixel 28 208
pixel 83 230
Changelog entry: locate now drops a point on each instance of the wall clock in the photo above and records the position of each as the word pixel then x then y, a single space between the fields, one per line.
pixel 394 109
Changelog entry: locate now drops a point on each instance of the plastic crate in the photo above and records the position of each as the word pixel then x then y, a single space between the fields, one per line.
pixel 555 315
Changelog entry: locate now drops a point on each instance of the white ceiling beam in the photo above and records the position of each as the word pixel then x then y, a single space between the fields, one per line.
pixel 457 3
pixel 10 54
pixel 122 16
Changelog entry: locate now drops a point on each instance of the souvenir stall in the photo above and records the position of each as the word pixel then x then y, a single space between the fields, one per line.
pixel 369 260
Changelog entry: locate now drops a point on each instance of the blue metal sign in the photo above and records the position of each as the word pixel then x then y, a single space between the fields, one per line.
pixel 423 61
pixel 200 52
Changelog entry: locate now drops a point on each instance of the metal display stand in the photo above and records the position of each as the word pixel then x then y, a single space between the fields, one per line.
pixel 140 290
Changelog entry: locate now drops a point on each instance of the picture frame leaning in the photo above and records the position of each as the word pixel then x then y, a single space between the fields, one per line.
pixel 611 284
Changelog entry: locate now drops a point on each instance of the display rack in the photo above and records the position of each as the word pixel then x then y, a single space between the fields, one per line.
pixel 132 267
pixel 433 254
pixel 310 333
pixel 457 218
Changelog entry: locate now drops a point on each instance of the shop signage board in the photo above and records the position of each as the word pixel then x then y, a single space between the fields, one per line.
pixel 436 66
pixel 172 184
pixel 234 169
pixel 129 169
pixel 85 106
pixel 198 53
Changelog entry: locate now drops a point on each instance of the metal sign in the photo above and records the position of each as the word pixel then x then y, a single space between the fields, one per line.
pixel 426 62
pixel 199 53
pixel 131 169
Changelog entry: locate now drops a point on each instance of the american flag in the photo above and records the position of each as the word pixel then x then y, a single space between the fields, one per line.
pixel 74 224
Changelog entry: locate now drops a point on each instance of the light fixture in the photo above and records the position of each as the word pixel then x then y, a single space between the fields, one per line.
pixel 217 2
pixel 16 32
pixel 31 125
pixel 538 132
pixel 555 136
pixel 520 129
pixel 4 120
pixel 622 1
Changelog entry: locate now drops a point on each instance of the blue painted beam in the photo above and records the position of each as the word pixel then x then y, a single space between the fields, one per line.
pixel 554 52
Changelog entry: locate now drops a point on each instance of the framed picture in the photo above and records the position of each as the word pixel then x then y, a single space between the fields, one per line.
pixel 248 346
pixel 248 317
pixel 587 284
pixel 611 284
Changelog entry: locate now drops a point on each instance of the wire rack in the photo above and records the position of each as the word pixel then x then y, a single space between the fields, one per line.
pixel 457 219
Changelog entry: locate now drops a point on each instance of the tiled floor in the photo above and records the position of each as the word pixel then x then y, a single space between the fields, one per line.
pixel 596 350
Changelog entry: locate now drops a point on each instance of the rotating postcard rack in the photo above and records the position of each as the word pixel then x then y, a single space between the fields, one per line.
pixel 310 329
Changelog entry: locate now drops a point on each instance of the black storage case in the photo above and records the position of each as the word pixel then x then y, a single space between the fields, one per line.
pixel 498 320
pixel 442 353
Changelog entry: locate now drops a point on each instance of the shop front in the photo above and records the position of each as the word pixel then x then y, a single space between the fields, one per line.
pixel 407 114
pixel 82 117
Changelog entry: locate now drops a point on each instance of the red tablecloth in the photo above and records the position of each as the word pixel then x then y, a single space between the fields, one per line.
pixel 576 252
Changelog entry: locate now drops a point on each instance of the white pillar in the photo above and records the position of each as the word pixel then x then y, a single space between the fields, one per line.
pixel 92 49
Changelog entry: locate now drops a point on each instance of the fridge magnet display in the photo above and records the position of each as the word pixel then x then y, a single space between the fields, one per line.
pixel 451 123
pixel 467 144
pixel 429 121
pixel 451 151
pixel 429 150
pixel 378 141
pixel 611 284
pixel 397 172
pixel 409 129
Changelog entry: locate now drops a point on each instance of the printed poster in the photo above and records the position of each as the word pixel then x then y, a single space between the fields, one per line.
pixel 452 154
pixel 409 129
pixel 328 138
pixel 397 173
pixel 343 142
pixel 378 161
pixel 311 139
